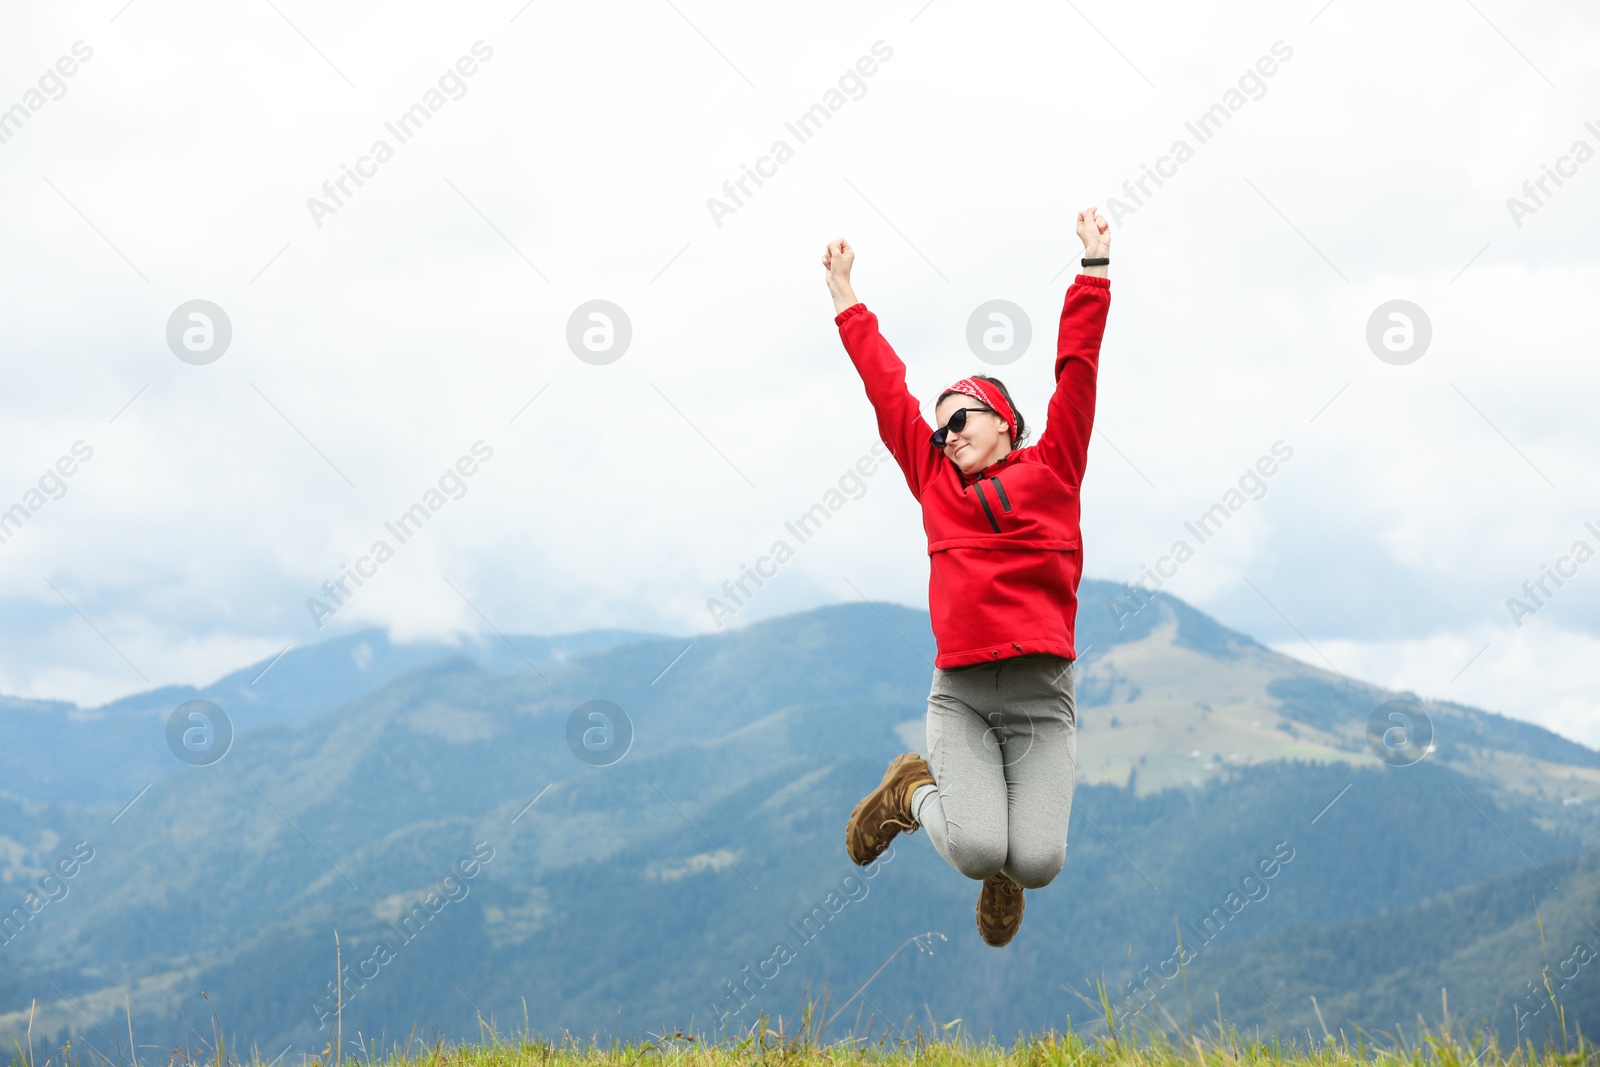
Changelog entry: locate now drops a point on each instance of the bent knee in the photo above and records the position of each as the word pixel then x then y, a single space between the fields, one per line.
pixel 1035 869
pixel 980 859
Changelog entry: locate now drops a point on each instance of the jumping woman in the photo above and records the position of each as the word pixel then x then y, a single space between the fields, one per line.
pixel 1005 558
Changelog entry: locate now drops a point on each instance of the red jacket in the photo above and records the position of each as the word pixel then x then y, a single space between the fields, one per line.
pixel 1004 546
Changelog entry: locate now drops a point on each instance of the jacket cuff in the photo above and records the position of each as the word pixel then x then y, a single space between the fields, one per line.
pixel 1092 279
pixel 849 312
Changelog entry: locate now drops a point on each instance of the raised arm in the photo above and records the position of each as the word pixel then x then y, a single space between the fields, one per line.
pixel 1064 445
pixel 900 421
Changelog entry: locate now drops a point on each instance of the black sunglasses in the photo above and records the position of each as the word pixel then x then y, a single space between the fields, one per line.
pixel 958 422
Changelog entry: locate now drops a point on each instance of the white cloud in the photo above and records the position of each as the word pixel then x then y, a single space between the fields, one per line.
pixel 1542 675
pixel 1375 165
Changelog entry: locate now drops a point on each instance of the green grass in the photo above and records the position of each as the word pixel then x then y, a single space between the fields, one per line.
pixel 798 1042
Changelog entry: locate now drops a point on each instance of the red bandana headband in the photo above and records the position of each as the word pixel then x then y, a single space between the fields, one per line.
pixel 979 389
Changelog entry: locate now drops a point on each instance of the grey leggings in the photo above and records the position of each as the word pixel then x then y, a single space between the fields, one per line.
pixel 1003 749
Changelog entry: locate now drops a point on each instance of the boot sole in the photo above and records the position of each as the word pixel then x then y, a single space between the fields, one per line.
pixel 855 812
pixel 1021 907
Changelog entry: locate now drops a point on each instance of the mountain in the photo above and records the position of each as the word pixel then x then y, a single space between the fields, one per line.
pixel 58 752
pixel 472 859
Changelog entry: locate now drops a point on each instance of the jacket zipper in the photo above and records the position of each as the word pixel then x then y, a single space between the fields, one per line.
pixel 986 509
pixel 1000 490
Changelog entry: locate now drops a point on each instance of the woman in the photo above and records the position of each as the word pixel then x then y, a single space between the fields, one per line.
pixel 1005 558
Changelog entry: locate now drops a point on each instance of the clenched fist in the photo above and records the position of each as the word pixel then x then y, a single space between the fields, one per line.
pixel 1094 232
pixel 837 259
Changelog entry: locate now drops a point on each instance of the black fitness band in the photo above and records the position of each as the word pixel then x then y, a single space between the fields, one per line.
pixel 1102 261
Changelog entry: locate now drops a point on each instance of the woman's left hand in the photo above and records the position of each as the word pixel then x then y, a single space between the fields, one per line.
pixel 1095 232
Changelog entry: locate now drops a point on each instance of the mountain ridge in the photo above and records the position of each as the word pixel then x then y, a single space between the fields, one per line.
pixel 646 883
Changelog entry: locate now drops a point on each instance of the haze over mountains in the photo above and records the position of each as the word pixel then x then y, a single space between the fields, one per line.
pixel 424 802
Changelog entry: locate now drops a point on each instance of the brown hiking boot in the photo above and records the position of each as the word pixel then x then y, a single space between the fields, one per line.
pixel 886 810
pixel 999 910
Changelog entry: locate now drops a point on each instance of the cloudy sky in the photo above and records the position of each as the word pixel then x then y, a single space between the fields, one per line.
pixel 1358 154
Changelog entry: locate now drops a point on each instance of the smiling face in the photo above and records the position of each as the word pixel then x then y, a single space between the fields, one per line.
pixel 982 441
